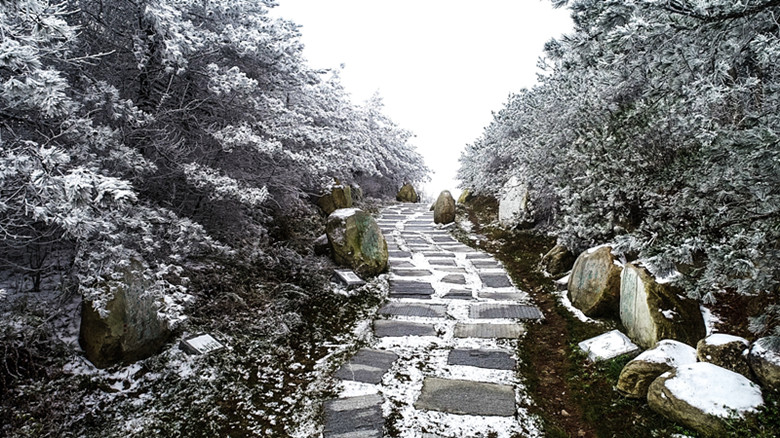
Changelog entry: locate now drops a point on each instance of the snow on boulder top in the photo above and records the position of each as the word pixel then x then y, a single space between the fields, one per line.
pixel 670 352
pixel 714 390
pixel 343 213
pixel 722 339
pixel 596 248
pixel 759 349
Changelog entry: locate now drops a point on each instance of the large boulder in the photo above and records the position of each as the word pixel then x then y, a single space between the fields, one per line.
pixel 513 202
pixel 725 351
pixel 465 196
pixel 357 242
pixel 129 329
pixel 407 194
pixel 651 310
pixel 594 284
pixel 444 208
pixel 557 261
pixel 639 373
pixel 765 363
pixel 339 196
pixel 704 397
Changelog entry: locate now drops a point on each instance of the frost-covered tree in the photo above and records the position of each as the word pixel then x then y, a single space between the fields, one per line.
pixel 655 127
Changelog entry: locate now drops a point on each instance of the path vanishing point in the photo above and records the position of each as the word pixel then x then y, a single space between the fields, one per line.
pixel 442 360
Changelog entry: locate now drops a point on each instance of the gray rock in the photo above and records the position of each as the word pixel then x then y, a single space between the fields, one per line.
pixel 594 283
pixel 516 311
pixel 639 373
pixel 652 311
pixel 513 202
pixel 367 366
pixel 391 328
pixel 354 417
pixel 491 359
pixel 466 397
pixel 444 208
pixel 488 331
pixel 407 194
pixel 765 363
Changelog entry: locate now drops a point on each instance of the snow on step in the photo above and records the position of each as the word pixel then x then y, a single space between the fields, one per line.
pixel 466 397
pixel 367 366
pixel 392 328
pixel 492 359
pixel 354 417
pixel 487 331
pixel 516 311
pixel 410 309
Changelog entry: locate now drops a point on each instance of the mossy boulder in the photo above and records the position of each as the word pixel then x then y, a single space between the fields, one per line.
pixel 639 373
pixel 652 311
pixel 765 363
pixel 465 196
pixel 594 284
pixel 557 261
pixel 727 351
pixel 444 208
pixel 357 242
pixel 704 397
pixel 129 329
pixel 407 194
pixel 340 196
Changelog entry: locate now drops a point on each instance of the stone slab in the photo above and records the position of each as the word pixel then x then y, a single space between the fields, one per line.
pixel 354 417
pixel 459 294
pixel 459 248
pixel 451 270
pixel 434 254
pixel 416 289
pixel 367 366
pixel 491 359
pixel 412 272
pixel 391 328
pixel 503 296
pixel 489 331
pixel 402 264
pixel 442 262
pixel 454 279
pixel 494 280
pixel 466 397
pixel 399 254
pixel 414 309
pixel 485 263
pixel 443 239
pixel 607 346
pixel 514 311
pixel 479 255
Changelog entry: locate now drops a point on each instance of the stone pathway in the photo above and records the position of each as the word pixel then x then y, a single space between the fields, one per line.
pixel 442 360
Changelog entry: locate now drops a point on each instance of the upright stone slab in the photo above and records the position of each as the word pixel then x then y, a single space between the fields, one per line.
pixel 513 202
pixel 444 208
pixel 652 311
pixel 594 283
pixel 131 330
pixel 354 417
pixel 357 242
pixel 765 363
pixel 466 397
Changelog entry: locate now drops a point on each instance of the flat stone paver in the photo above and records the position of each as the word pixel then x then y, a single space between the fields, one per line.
pixel 495 279
pixel 452 270
pixel 412 272
pixel 466 397
pixel 410 289
pixel 457 248
pixel 433 254
pixel 403 264
pixel 486 264
pixel 459 294
pixel 367 366
pixel 354 417
pixel 498 331
pixel 454 279
pixel 515 311
pixel 414 309
pixel 442 262
pixel 399 254
pixel 503 296
pixel 491 359
pixel 391 328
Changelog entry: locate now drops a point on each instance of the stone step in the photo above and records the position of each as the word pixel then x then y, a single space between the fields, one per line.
pixel 495 280
pixel 399 254
pixel 489 331
pixel 466 397
pixel 454 279
pixel 392 328
pixel 414 309
pixel 411 272
pixel 459 294
pixel 410 289
pixel 354 417
pixel 491 359
pixel 439 254
pixel 442 262
pixel 479 263
pixel 503 296
pixel 514 311
pixel 367 366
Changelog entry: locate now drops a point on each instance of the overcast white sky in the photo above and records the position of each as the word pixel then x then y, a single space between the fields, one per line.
pixel 441 66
